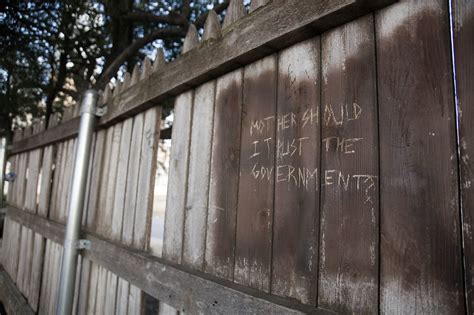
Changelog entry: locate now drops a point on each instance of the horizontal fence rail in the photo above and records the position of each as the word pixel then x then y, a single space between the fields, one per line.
pixel 275 26
pixel 182 288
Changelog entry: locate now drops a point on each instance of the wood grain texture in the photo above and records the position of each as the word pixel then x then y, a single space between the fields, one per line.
pixel 122 176
pixel 296 218
pixel 34 164
pixel 178 178
pixel 132 181
pixel 463 18
pixel 224 176
pixel 112 161
pixel 46 278
pixel 98 167
pixel 421 268
pixel 101 221
pixel 349 195
pixel 255 199
pixel 53 207
pixel 174 285
pixel 146 179
pixel 11 298
pixel 276 26
pixel 85 284
pixel 46 180
pixel 198 176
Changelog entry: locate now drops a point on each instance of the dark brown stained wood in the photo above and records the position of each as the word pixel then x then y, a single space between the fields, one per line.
pixel 11 298
pixel 296 218
pixel 349 170
pixel 184 289
pixel 421 266
pixel 255 198
pixel 273 27
pixel 463 15
pixel 224 176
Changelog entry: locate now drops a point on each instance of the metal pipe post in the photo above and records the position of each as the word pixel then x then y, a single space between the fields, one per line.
pixel 3 154
pixel 76 203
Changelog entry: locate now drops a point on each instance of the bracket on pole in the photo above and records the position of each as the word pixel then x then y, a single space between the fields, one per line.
pixel 84 244
pixel 101 111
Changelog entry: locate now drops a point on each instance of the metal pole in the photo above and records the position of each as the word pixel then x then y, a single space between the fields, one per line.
pixel 76 203
pixel 3 153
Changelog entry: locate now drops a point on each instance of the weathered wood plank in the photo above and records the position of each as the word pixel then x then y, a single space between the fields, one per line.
pixel 92 298
pixel 53 207
pixel 198 176
pixel 224 176
pixel 296 218
pixel 177 179
pixel 122 177
pixel 349 170
pixel 45 184
pixel 174 285
pixel 98 165
pixel 11 298
pixel 85 284
pixel 44 295
pixel 146 178
pixel 132 180
pixel 463 18
pixel 57 133
pixel 112 161
pixel 421 267
pixel 276 26
pixel 256 186
pixel 34 164
pixel 99 226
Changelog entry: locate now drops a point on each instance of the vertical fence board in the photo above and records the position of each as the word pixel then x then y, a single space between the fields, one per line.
pixel 132 182
pixel 92 298
pixel 224 176
pixel 112 161
pixel 296 218
pixel 146 179
pixel 97 173
pixel 198 181
pixel 101 219
pixel 37 267
pixel 349 195
pixel 46 279
pixel 178 176
pixel 177 184
pixel 255 200
pixel 55 184
pixel 45 183
pixel 463 15
pixel 84 286
pixel 421 270
pixel 122 176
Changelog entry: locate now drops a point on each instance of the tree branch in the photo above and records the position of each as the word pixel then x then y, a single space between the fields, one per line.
pixel 147 17
pixel 113 67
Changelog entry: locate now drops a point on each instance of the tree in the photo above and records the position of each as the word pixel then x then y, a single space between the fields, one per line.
pixel 54 50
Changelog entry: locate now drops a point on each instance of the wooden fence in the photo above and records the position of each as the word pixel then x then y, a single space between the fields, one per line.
pixel 319 164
